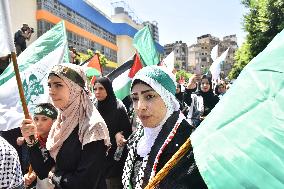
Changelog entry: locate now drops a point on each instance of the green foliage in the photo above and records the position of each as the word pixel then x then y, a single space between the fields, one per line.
pixel 264 20
pixel 103 59
pixel 184 74
pixel 242 57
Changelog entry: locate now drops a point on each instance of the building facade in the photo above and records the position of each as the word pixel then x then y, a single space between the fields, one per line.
pixel 154 29
pixel 87 27
pixel 230 42
pixel 199 57
pixel 199 54
pixel 180 53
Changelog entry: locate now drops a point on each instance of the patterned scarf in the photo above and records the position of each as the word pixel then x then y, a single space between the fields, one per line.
pixel 79 111
pixel 10 168
pixel 132 155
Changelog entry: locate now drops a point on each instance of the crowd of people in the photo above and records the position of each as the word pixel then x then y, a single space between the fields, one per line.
pixel 74 141
pixel 199 96
pixel 96 141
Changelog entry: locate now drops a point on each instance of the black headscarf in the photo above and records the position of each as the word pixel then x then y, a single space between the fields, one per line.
pixel 209 99
pixel 115 116
pixel 179 95
pixel 109 103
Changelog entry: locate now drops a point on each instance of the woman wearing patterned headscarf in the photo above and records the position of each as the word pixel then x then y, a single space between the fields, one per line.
pixel 161 132
pixel 78 140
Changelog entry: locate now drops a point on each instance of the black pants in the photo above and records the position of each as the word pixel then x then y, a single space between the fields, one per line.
pixel 114 183
pixel 20 48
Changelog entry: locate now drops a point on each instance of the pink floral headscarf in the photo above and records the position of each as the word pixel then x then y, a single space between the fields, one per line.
pixel 79 111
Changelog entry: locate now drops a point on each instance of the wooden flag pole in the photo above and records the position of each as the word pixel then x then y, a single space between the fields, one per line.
pixel 20 85
pixel 21 92
pixel 169 165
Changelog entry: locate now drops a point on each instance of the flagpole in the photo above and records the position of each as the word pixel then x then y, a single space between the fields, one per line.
pixel 169 165
pixel 20 85
pixel 22 96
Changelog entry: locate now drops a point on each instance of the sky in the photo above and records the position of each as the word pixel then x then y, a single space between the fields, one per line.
pixel 186 20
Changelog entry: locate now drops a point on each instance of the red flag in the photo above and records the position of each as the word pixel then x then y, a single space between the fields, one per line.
pixel 137 65
pixel 181 80
pixel 95 63
pixel 93 80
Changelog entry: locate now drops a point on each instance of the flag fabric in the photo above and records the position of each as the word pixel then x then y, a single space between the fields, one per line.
pixel 144 44
pixel 169 62
pixel 137 65
pixel 122 76
pixel 215 68
pixel 146 55
pixel 214 52
pixel 34 65
pixel 240 143
pixel 93 67
pixel 93 80
pixel 6 37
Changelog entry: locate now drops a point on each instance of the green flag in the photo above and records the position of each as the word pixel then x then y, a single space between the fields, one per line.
pixel 241 142
pixel 144 43
pixel 34 65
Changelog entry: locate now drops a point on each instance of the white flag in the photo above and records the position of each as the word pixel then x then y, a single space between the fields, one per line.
pixel 169 61
pixel 34 64
pixel 214 53
pixel 215 68
pixel 6 37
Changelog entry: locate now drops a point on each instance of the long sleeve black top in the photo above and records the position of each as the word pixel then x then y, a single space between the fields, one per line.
pixel 75 167
pixel 117 120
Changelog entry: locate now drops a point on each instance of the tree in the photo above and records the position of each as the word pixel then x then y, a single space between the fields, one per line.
pixel 264 20
pixel 184 74
pixel 103 59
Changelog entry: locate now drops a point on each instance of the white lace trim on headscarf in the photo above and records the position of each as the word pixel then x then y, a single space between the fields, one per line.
pixel 150 134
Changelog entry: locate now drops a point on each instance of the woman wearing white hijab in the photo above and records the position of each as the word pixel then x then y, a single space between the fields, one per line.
pixel 161 132
pixel 78 140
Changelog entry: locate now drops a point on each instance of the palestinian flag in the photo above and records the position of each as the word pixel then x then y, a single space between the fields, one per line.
pixel 92 66
pixel 122 76
pixel 146 55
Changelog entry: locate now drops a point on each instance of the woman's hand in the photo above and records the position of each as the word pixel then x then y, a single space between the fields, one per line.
pixel 20 141
pixel 120 140
pixel 28 129
pixel 29 178
pixel 192 81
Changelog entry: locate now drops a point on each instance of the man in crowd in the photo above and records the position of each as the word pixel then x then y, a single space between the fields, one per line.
pixel 20 38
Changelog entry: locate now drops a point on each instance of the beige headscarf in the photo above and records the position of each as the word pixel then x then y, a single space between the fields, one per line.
pixel 79 111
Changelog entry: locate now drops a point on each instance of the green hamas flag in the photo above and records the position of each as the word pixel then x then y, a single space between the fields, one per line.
pixel 34 65
pixel 241 142
pixel 144 43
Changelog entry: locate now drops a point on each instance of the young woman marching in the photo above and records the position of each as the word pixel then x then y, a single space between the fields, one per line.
pixel 78 141
pixel 115 116
pixel 161 132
